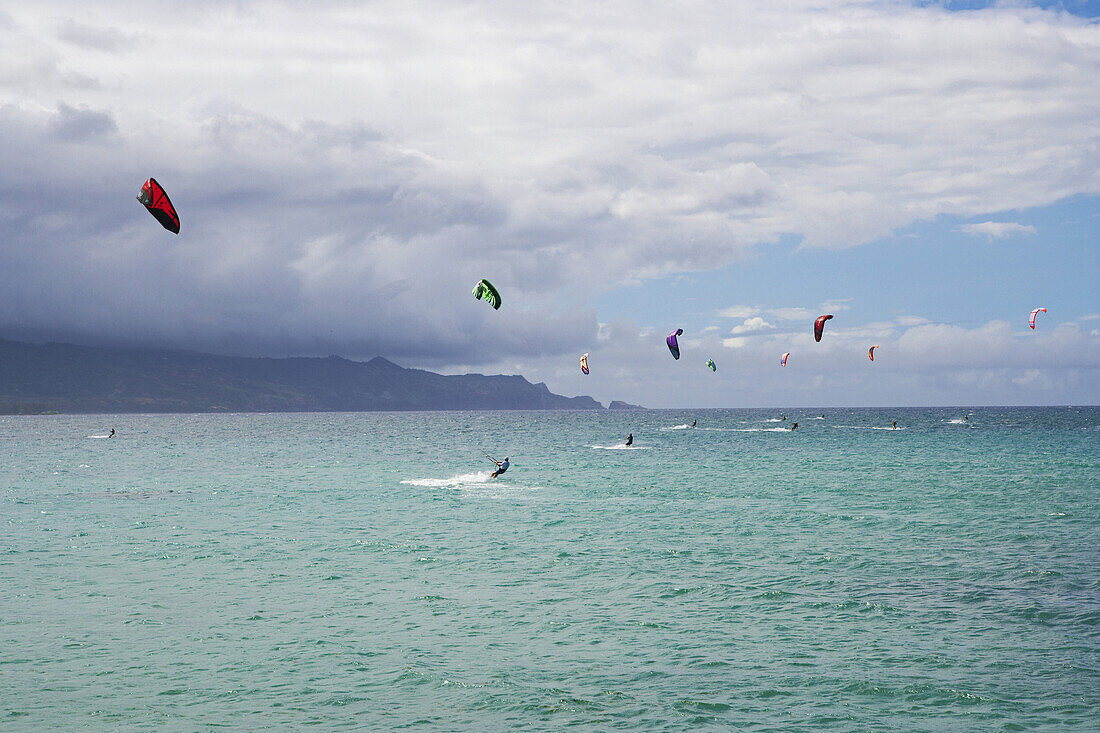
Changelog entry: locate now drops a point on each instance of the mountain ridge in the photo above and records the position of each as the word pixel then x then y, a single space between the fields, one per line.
pixel 70 378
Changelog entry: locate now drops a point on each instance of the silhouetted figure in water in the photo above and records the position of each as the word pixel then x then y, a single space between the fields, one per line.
pixel 782 418
pixel 794 426
pixel 112 433
pixel 693 423
pixel 895 425
pixel 630 439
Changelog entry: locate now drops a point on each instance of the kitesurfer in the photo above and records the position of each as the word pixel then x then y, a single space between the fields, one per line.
pixel 112 433
pixel 782 418
pixel 895 425
pixel 502 466
pixel 794 426
pixel 693 423
pixel 630 439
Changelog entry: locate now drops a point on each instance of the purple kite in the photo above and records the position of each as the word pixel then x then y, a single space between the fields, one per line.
pixel 673 346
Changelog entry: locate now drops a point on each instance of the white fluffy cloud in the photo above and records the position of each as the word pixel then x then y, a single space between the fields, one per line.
pixel 752 325
pixel 798 313
pixel 998 229
pixel 794 313
pixel 924 364
pixel 345 172
pixel 738 312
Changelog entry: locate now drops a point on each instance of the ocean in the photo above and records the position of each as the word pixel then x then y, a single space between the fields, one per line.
pixel 359 571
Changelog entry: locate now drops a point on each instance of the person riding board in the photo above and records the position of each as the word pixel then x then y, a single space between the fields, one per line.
pixel 794 426
pixel 502 466
pixel 693 423
pixel 112 433
pixel 630 439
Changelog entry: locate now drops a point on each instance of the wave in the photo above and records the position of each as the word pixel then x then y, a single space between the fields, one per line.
pixel 867 427
pixel 461 480
pixel 685 426
pixel 762 430
pixel 99 437
pixel 620 446
pixel 774 419
pixel 958 421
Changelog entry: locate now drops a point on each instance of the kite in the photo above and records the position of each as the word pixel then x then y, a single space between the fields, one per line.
pixel 871 352
pixel 783 359
pixel 154 199
pixel 485 290
pixel 584 363
pixel 1031 319
pixel 712 365
pixel 673 346
pixel 819 325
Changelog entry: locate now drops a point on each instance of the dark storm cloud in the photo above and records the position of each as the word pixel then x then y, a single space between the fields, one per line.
pixel 74 125
pixel 312 239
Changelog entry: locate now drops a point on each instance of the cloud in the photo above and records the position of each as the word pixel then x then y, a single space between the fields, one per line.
pixel 102 39
pixel 835 304
pixel 71 124
pixel 792 314
pixel 738 311
pixel 343 194
pixel 873 330
pixel 930 364
pixel 998 229
pixel 752 325
pixel 343 260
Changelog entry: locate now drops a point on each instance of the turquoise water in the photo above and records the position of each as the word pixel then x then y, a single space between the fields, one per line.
pixel 359 571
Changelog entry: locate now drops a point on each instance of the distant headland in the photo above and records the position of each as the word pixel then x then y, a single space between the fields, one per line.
pixel 66 378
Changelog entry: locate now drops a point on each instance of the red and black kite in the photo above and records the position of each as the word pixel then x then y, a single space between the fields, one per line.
pixel 160 206
pixel 819 325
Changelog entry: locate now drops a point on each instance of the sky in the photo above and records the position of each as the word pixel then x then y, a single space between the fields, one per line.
pixel 345 172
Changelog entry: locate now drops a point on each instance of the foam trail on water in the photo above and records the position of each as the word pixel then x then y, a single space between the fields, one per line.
pixel 462 480
pixel 762 430
pixel 620 446
pixel 866 427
